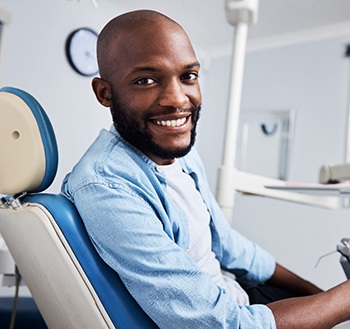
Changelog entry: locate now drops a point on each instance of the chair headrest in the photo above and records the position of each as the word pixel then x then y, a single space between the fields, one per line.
pixel 28 147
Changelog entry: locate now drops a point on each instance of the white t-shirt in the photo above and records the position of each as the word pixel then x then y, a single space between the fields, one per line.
pixel 182 190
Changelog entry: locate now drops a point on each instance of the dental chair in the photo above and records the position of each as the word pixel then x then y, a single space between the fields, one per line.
pixel 70 283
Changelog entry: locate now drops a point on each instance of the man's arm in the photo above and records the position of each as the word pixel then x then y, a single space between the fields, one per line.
pixel 320 311
pixel 289 280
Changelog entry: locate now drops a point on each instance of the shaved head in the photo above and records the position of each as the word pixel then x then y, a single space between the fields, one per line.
pixel 149 79
pixel 126 24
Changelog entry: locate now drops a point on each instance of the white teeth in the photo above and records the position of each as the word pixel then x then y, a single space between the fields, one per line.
pixel 171 123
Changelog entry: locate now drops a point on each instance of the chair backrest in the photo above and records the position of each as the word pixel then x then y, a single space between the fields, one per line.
pixel 69 282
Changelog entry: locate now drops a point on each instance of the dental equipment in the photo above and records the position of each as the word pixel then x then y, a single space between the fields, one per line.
pixel 241 14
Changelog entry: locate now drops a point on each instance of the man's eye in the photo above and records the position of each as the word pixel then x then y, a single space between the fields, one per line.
pixel 190 76
pixel 145 81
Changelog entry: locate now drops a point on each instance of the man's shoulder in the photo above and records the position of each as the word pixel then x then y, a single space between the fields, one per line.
pixel 109 160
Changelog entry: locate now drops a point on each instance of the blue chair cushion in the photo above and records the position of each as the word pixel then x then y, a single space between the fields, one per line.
pixel 119 304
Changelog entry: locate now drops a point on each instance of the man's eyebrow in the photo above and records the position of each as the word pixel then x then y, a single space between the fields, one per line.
pixel 155 69
pixel 194 64
pixel 144 69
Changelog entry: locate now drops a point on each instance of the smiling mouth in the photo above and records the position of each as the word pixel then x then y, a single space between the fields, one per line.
pixel 171 123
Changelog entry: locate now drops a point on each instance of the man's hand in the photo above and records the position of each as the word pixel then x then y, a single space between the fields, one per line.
pixel 317 310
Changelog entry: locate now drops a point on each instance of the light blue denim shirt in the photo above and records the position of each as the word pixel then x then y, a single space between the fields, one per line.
pixel 121 196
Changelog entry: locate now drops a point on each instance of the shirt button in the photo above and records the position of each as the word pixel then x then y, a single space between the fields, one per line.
pixel 187 251
pixel 159 169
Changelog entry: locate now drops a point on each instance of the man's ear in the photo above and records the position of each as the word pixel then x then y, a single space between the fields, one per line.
pixel 102 91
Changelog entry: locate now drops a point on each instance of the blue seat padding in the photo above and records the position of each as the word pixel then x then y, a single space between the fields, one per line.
pixel 121 307
pixel 119 304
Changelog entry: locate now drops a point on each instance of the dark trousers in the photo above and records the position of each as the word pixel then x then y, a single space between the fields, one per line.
pixel 266 293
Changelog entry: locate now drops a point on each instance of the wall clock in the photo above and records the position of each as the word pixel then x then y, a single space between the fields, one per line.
pixel 81 51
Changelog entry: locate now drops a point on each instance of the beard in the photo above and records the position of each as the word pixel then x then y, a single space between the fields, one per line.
pixel 131 130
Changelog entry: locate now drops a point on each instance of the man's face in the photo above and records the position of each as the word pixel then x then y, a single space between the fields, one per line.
pixel 139 136
pixel 155 92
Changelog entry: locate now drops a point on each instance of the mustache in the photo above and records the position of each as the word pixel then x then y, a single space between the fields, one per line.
pixel 171 110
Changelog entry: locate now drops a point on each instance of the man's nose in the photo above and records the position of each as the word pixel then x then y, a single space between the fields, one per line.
pixel 173 94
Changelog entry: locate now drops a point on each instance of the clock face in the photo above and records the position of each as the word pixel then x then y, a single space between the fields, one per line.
pixel 81 51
